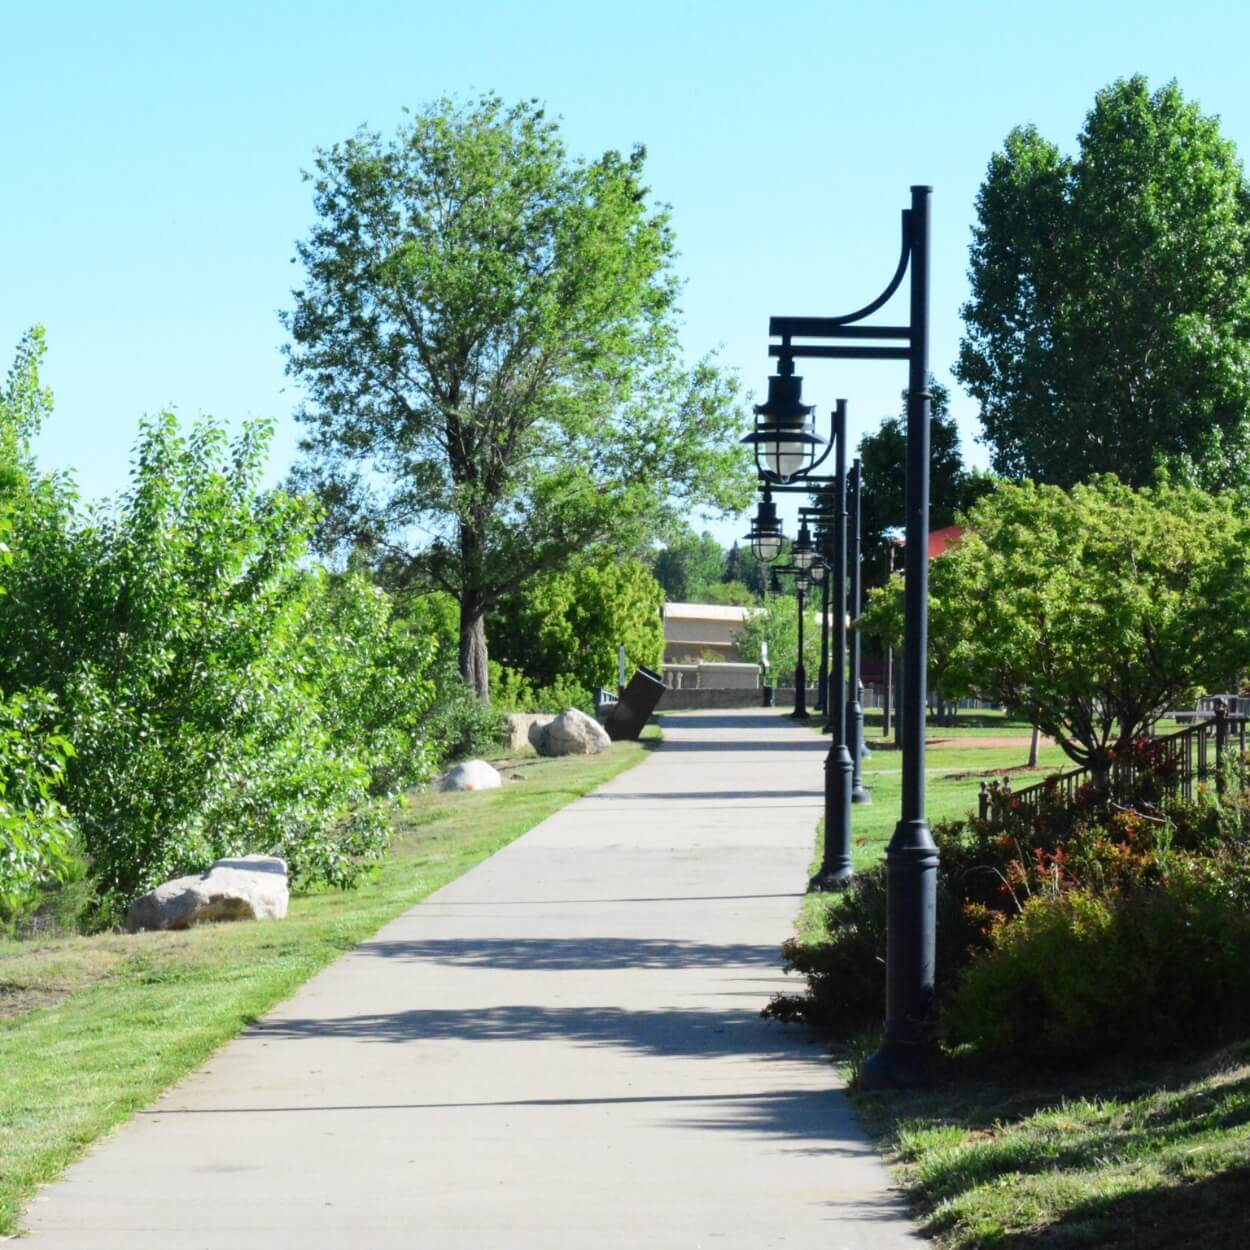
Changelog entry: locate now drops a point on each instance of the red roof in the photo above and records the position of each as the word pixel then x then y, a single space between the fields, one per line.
pixel 941 541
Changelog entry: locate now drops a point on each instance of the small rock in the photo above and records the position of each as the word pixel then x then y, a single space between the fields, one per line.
pixel 471 775
pixel 572 733
pixel 248 887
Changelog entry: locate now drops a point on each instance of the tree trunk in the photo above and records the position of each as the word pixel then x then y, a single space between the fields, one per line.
pixel 473 646
pixel 1034 742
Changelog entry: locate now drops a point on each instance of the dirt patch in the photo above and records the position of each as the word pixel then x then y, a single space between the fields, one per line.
pixel 1018 741
pixel 16 1000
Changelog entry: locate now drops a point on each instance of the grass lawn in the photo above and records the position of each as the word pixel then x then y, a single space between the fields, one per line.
pixel 93 1028
pixel 1150 1158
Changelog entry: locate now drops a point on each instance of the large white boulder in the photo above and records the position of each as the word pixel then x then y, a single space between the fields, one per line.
pixel 250 887
pixel 471 775
pixel 571 733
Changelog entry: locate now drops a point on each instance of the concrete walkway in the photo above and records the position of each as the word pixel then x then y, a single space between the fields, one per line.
pixel 562 1049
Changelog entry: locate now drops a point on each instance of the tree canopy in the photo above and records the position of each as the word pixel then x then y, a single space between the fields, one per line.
pixel 952 487
pixel 1109 324
pixel 487 334
pixel 688 564
pixel 1089 611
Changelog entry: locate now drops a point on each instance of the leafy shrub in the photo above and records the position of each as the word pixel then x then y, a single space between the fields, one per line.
pixel 846 972
pixel 219 699
pixel 36 833
pixel 1075 973
pixel 459 726
pixel 512 692
pixel 1049 916
pixel 372 679
pixel 563 629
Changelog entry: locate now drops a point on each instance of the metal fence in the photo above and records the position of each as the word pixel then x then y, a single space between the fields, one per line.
pixel 1185 758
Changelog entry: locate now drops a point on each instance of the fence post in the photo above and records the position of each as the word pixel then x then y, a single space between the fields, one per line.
pixel 983 805
pixel 1221 733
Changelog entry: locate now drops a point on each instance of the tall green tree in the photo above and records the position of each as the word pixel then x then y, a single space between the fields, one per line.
pixel 1088 611
pixel 688 564
pixel 1109 324
pixel 952 487
pixel 487 335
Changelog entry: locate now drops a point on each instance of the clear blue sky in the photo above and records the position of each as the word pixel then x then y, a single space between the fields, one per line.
pixel 152 156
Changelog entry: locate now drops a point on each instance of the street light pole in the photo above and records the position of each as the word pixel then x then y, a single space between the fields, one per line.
pixel 854 706
pixel 835 866
pixel 822 682
pixel 912 855
pixel 785 445
pixel 800 672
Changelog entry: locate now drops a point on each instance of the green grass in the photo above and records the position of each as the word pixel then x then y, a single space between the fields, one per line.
pixel 93 1028
pixel 1152 1158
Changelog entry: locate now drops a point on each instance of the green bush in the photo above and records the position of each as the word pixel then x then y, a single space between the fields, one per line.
pixel 36 832
pixel 459 726
pixel 1062 925
pixel 372 678
pixel 846 972
pixel 1074 974
pixel 512 692
pixel 219 698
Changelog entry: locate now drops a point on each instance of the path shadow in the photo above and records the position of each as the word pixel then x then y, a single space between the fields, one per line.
pixel 571 954
pixel 703 795
pixel 594 902
pixel 673 1032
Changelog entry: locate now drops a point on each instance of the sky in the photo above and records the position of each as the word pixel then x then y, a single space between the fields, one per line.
pixel 151 194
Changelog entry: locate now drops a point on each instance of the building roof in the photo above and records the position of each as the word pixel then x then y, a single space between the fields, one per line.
pixel 707 612
pixel 940 541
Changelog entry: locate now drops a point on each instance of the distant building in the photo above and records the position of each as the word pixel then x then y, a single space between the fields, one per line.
pixel 702 631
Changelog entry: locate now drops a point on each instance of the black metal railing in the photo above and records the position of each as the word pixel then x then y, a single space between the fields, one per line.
pixel 1185 759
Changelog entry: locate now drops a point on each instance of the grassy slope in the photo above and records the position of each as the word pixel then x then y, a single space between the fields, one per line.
pixel 1148 1158
pixel 92 1029
pixel 1151 1159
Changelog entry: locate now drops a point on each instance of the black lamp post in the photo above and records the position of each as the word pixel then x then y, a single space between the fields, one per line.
pixel 820 571
pixel 784 431
pixel 854 703
pixel 800 669
pixel 835 866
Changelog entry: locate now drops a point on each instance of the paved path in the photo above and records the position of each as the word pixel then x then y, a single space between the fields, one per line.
pixel 562 1049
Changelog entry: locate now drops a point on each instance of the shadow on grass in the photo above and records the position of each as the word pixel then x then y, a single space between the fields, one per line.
pixel 1210 1214
pixel 1097 1133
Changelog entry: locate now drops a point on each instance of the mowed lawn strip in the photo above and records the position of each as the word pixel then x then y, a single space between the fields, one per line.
pixel 1149 1158
pixel 92 1029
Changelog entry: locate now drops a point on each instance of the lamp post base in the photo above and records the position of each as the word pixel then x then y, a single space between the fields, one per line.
pixel 898 1065
pixel 861 794
pixel 831 882
pixel 835 872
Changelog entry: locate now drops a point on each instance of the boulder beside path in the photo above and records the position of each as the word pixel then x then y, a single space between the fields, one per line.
pixel 570 733
pixel 245 887
pixel 471 775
